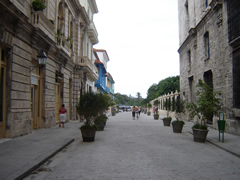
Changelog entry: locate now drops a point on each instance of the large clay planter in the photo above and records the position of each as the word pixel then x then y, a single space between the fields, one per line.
pixel 199 135
pixel 148 113
pixel 177 127
pixel 167 121
pixel 156 116
pixel 88 135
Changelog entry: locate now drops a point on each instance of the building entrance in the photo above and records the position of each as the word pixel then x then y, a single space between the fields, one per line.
pixel 3 69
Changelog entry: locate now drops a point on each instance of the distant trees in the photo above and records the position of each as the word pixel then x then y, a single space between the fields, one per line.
pixel 121 99
pixel 163 87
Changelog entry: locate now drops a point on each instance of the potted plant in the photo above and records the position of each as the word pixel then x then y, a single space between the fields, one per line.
pixel 100 122
pixel 167 120
pixel 156 115
pixel 87 109
pixel 206 106
pixel 90 106
pixel 38 5
pixel 149 107
pixel 113 111
pixel 179 123
pixel 102 104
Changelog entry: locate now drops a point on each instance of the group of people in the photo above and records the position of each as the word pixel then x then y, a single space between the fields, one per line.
pixel 136 111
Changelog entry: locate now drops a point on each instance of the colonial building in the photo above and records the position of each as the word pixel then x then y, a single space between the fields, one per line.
pixel 101 60
pixel 31 93
pixel 110 84
pixel 209 34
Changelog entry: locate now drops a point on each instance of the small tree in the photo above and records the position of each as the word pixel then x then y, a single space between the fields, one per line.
pixel 156 103
pixel 92 105
pixel 168 105
pixel 207 104
pixel 149 106
pixel 180 108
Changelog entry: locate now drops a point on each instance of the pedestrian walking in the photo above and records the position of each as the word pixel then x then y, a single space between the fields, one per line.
pixel 62 112
pixel 133 112
pixel 139 111
pixel 153 110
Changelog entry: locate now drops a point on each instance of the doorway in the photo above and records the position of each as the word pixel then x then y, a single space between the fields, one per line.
pixel 36 96
pixel 3 69
pixel 208 79
pixel 58 93
pixel 35 106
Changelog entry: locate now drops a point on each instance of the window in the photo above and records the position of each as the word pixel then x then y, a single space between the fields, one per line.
pixel 236 79
pixel 189 60
pixel 187 13
pixel 206 44
pixel 191 88
pixel 206 3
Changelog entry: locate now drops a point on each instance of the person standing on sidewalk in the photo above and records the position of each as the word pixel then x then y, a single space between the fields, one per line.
pixel 62 112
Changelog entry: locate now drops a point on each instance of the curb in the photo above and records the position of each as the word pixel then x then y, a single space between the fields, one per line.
pixel 230 152
pixel 28 172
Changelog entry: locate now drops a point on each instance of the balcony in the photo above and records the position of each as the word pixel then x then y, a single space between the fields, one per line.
pixel 64 44
pixel 92 33
pixel 88 67
pixel 40 21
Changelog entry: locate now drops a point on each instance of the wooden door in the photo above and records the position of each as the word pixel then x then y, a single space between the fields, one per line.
pixel 35 106
pixel 70 99
pixel 3 69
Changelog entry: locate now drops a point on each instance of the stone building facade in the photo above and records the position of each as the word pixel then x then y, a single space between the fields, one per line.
pixel 209 34
pixel 31 95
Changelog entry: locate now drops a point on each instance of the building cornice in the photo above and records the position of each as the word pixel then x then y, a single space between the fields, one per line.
pixel 214 6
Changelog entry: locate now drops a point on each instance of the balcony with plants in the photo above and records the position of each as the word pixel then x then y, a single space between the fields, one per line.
pixel 40 21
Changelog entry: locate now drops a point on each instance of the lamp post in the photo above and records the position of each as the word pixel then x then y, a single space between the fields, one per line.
pixel 42 58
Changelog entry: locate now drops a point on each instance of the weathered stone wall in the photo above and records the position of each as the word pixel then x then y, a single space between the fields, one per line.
pixel 213 20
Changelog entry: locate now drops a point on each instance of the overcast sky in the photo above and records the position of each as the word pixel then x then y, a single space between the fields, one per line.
pixel 141 39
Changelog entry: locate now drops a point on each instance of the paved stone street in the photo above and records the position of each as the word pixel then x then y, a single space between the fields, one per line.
pixel 140 149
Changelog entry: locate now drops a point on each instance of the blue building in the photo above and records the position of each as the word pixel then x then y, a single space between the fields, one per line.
pixel 105 82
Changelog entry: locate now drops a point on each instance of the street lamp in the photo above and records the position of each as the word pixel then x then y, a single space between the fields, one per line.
pixel 42 57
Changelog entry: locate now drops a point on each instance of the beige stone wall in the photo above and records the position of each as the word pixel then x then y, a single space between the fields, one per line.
pixel 19 115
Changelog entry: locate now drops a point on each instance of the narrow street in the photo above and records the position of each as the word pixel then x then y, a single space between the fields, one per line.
pixel 140 149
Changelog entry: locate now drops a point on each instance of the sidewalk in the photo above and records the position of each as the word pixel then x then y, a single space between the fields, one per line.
pixel 231 142
pixel 19 156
